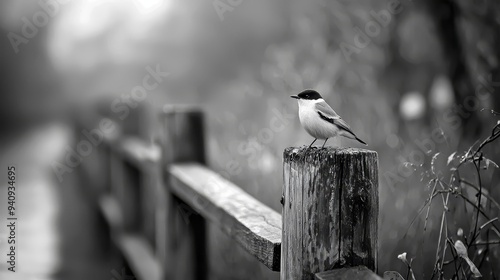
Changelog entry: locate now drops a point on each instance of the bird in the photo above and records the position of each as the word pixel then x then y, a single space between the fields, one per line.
pixel 320 120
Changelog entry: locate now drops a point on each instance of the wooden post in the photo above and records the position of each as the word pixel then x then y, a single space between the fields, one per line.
pixel 116 181
pixel 186 230
pixel 127 178
pixel 151 181
pixel 139 122
pixel 330 210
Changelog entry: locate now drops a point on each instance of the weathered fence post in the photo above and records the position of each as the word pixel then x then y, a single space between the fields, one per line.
pixel 183 141
pixel 330 210
pixel 127 180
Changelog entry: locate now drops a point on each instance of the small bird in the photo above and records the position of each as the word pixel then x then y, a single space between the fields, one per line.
pixel 319 119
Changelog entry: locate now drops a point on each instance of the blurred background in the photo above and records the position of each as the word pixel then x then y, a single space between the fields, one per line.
pixel 416 80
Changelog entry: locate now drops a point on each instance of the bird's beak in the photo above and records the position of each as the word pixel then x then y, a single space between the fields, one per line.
pixel 295 96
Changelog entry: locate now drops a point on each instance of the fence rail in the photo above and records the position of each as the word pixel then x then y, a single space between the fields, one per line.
pixel 159 195
pixel 253 225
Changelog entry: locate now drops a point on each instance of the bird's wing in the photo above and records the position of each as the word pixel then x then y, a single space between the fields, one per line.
pixel 326 110
pixel 338 122
pixel 328 114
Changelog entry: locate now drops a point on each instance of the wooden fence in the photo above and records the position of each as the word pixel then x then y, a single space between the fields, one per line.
pixel 158 197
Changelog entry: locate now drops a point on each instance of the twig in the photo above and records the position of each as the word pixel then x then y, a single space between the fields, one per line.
pixel 478 201
pixel 486 243
pixel 484 225
pixel 496 230
pixel 489 197
pixel 429 200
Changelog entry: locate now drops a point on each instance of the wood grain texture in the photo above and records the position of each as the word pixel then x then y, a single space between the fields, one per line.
pixel 253 225
pixel 330 210
pixel 351 273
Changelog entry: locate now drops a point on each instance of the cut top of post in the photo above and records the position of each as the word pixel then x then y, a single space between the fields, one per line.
pixel 315 154
pixel 183 139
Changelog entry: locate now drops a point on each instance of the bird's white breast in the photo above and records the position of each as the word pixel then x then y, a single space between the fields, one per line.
pixel 312 122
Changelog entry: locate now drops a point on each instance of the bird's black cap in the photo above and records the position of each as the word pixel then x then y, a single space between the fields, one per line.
pixel 309 94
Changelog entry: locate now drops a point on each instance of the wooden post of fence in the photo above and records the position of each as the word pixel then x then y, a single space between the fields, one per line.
pixel 330 210
pixel 126 178
pixel 186 230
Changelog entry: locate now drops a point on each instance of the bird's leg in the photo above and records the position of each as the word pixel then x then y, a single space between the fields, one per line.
pixel 312 143
pixel 324 143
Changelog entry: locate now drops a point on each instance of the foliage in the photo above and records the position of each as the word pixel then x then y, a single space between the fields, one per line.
pixel 464 250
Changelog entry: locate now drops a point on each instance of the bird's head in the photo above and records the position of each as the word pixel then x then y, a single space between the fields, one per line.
pixel 308 97
pixel 308 94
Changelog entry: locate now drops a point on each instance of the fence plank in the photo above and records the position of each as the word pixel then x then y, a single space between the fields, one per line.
pixel 136 250
pixel 256 227
pixel 110 209
pixel 136 164
pixel 183 140
pixel 140 256
pixel 144 157
pixel 137 151
pixel 359 273
pixel 330 210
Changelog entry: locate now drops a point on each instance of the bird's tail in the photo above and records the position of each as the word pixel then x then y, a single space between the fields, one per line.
pixel 349 134
pixel 361 141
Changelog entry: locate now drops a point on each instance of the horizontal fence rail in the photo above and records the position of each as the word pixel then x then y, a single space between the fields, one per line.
pixel 159 195
pixel 255 226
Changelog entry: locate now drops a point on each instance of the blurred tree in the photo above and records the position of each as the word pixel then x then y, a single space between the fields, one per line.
pixel 30 90
pixel 469 32
pixel 445 13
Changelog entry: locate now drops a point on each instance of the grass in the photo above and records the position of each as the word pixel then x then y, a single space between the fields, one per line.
pixel 462 254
